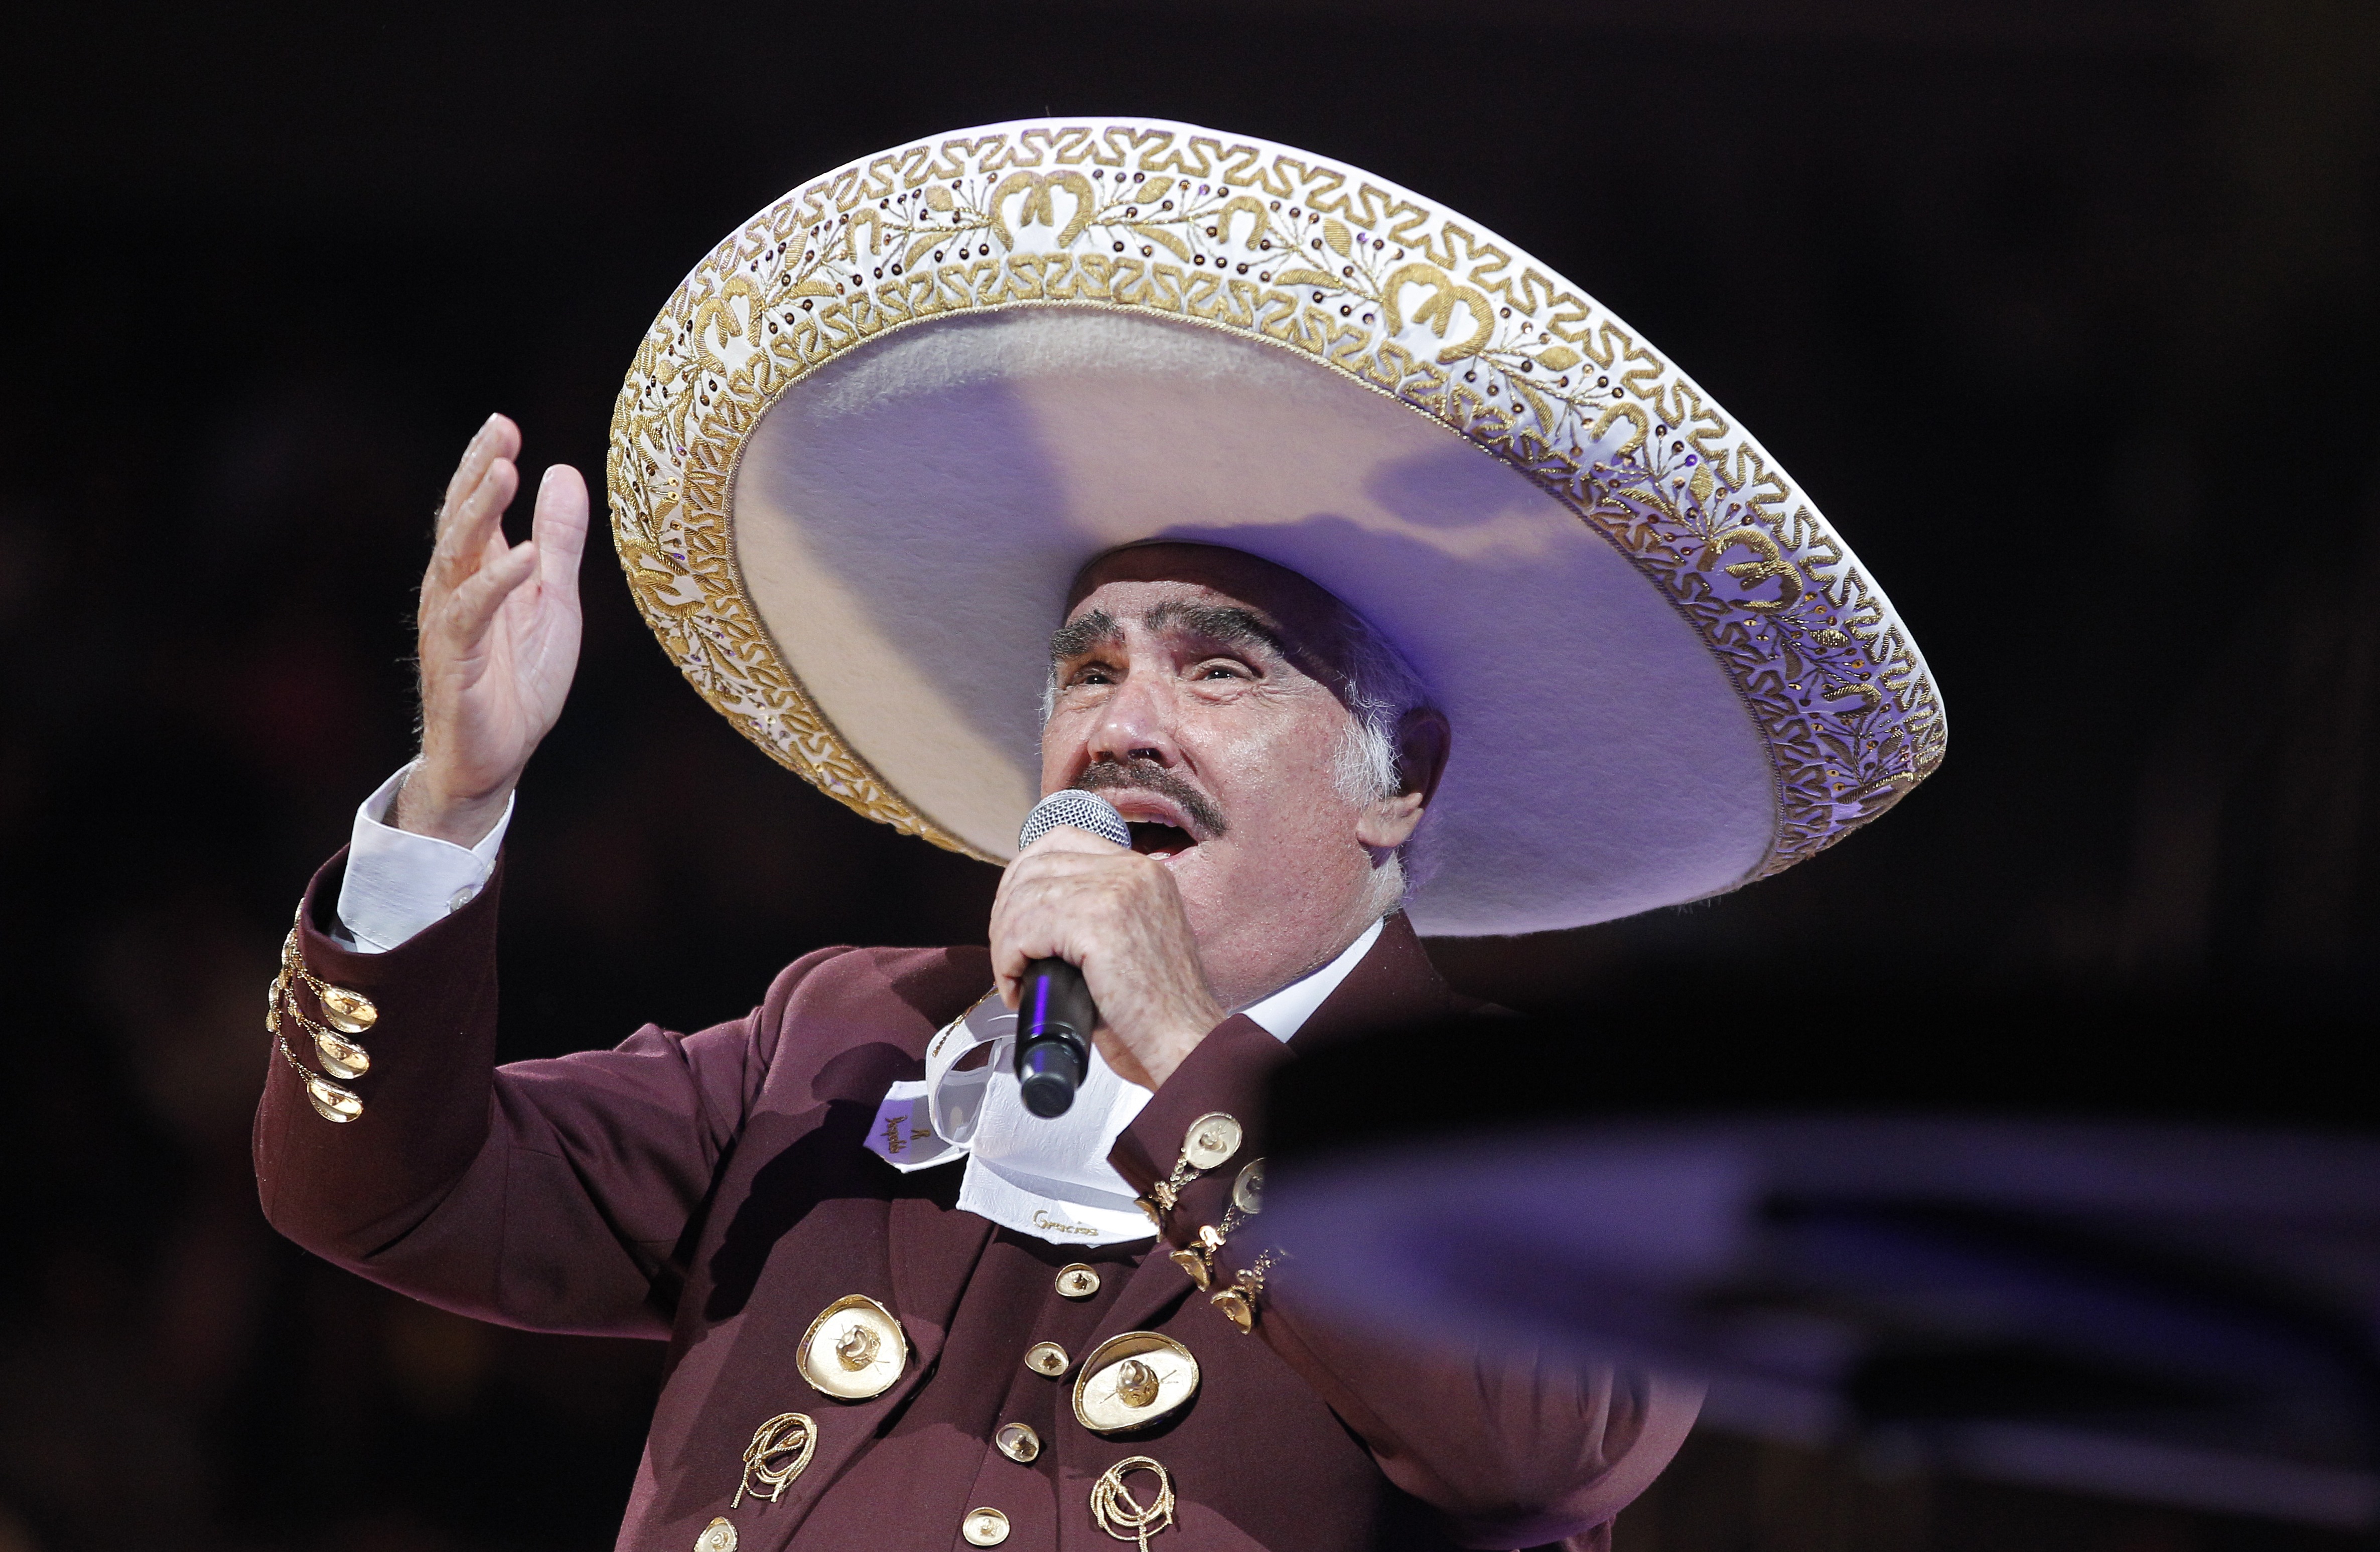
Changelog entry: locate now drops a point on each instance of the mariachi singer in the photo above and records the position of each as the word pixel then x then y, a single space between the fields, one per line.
pixel 1383 583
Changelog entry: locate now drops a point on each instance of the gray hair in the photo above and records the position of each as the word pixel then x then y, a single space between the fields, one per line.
pixel 1380 688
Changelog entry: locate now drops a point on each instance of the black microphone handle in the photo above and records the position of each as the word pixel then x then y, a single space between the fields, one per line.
pixel 1055 1017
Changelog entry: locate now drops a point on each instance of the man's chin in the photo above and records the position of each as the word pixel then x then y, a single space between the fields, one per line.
pixel 1214 916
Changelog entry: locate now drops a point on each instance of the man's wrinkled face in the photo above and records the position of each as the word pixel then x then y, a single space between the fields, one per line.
pixel 1193 690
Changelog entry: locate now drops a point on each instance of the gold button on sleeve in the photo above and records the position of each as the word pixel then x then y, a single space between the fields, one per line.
pixel 1247 1192
pixel 1017 1441
pixel 1194 1267
pixel 1077 1281
pixel 717 1536
pixel 1046 1358
pixel 349 1013
pixel 1212 1141
pixel 984 1527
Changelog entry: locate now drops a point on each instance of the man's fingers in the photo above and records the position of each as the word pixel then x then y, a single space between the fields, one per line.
pixel 1040 909
pixel 463 540
pixel 560 529
pixel 496 438
pixel 473 606
pixel 1066 838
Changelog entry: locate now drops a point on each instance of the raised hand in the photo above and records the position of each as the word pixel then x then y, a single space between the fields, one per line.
pixel 499 639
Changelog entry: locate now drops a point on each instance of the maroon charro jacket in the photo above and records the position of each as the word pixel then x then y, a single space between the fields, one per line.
pixel 712 1191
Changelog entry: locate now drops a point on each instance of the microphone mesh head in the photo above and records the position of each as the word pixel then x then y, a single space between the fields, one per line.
pixel 1083 810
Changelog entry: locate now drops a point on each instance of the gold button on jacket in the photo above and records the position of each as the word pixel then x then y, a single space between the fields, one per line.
pixel 1077 1281
pixel 1046 1358
pixel 1311 1483
pixel 1017 1441
pixel 1247 1192
pixel 1132 1380
pixel 984 1527
pixel 1212 1141
pixel 853 1350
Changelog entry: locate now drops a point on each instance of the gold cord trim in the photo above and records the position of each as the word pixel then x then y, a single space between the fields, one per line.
pixel 1123 1517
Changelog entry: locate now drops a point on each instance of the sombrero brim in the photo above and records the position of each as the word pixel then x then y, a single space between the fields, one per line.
pixel 874 436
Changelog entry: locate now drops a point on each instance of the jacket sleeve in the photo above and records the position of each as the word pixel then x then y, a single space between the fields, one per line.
pixel 546 1195
pixel 1515 1448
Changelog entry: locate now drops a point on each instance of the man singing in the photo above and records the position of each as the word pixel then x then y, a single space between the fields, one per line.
pixel 1391 582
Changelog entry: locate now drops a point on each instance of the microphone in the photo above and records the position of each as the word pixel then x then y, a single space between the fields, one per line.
pixel 1055 1014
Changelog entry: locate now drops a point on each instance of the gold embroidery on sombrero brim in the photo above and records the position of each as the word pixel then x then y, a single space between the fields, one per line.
pixel 1278 247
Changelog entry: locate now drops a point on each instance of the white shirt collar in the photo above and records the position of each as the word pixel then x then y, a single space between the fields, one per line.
pixel 1051 1179
pixel 1286 1012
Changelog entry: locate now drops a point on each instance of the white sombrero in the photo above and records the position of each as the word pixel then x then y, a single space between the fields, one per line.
pixel 876 433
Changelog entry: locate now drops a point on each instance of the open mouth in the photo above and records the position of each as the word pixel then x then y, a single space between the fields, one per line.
pixel 1166 814
pixel 1152 839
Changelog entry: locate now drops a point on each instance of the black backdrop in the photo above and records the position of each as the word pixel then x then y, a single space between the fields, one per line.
pixel 2065 313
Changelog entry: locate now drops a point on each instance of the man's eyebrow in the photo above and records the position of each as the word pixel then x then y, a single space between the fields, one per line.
pixel 1075 638
pixel 1220 623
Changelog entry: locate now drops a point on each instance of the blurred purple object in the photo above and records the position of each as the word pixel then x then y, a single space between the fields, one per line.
pixel 2169 1313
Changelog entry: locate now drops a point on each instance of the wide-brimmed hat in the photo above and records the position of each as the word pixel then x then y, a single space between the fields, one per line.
pixel 877 432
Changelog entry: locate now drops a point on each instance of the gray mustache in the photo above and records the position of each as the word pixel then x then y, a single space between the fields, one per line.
pixel 1149 776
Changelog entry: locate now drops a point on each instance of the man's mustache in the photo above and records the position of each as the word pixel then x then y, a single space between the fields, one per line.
pixel 1149 776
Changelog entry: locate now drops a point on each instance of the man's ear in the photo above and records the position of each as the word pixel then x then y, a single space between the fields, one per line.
pixel 1423 741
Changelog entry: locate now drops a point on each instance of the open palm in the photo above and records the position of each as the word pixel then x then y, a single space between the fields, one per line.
pixel 499 637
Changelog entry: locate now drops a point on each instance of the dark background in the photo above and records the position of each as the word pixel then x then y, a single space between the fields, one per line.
pixel 2065 313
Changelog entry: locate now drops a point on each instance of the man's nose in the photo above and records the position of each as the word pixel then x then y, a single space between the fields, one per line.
pixel 1136 723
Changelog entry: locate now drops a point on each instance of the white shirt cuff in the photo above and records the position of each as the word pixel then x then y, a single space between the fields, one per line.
pixel 398 882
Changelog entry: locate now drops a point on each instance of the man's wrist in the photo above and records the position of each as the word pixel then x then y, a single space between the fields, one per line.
pixel 1176 1048
pixel 1155 1056
pixel 421 808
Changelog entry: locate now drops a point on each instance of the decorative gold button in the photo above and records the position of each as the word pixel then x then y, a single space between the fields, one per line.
pixel 1077 1281
pixel 853 1350
pixel 349 1013
pixel 1212 1141
pixel 1046 1358
pixel 341 1057
pixel 1247 1192
pixel 984 1527
pixel 332 1102
pixel 1132 1380
pixel 717 1536
pixel 1194 1267
pixel 1017 1442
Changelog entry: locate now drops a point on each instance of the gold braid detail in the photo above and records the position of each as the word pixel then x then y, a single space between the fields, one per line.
pixel 1122 1515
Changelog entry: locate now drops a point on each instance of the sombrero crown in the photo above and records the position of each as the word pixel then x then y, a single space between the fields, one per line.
pixel 876 432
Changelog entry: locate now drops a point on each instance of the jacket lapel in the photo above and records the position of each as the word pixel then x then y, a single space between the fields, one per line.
pixel 1393 985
